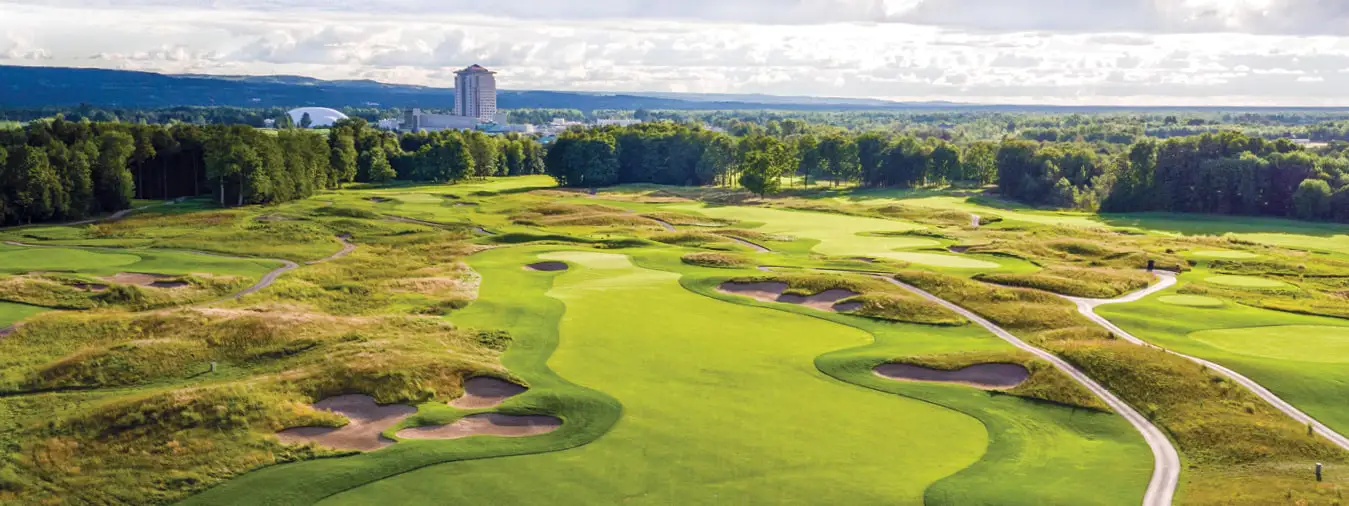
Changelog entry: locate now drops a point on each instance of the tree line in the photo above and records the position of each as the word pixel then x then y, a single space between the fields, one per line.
pixel 59 170
pixel 684 154
pixel 1223 173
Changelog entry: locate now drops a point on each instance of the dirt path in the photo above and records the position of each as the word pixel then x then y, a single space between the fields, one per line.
pixel 1166 469
pixel 1166 280
pixel 347 248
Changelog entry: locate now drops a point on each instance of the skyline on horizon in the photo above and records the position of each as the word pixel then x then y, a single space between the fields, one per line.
pixel 1051 52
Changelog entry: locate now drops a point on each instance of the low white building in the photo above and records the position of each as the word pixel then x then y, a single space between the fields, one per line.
pixel 617 122
pixel 418 121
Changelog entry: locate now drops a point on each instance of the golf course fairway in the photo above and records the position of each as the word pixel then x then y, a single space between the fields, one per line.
pixel 722 403
pixel 839 235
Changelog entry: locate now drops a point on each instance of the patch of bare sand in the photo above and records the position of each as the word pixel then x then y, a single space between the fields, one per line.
pixel 144 279
pixel 847 307
pixel 486 424
pixel 547 266
pixel 366 421
pixel 773 292
pixel 486 392
pixel 823 301
pixel 987 376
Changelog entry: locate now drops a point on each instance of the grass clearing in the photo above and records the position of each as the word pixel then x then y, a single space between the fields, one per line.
pixel 1301 343
pixel 1191 301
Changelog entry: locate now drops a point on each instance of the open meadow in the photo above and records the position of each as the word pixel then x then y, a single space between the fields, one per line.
pixel 511 342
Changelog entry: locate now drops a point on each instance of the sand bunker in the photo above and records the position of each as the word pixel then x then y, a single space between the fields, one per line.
pixel 379 200
pixel 143 279
pixel 367 421
pixel 547 266
pixel 958 249
pixel 486 392
pixel 989 376
pixel 772 292
pixel 486 424
pixel 847 307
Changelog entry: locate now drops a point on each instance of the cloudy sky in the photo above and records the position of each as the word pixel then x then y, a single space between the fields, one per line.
pixel 1176 52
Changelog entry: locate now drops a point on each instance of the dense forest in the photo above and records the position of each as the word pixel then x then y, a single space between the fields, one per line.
pixel 59 170
pixel 1224 173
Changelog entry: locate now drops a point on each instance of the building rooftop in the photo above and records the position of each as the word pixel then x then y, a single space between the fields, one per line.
pixel 475 69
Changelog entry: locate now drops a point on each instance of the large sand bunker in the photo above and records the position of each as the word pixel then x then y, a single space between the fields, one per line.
pixel 367 421
pixel 486 424
pixel 827 300
pixel 143 279
pixel 486 392
pixel 547 266
pixel 990 376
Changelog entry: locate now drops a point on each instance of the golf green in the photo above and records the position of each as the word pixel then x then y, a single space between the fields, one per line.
pixel 1245 282
pixel 1224 254
pixel 19 259
pixel 1190 301
pixel 1305 343
pixel 722 403
pixel 839 235
pixel 11 313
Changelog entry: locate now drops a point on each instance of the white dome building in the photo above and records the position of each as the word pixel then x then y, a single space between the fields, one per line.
pixel 319 117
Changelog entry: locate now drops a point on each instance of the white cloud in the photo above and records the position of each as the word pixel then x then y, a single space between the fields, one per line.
pixel 1078 51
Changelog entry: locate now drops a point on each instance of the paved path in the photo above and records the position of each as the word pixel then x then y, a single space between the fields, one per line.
pixel 669 227
pixel 974 220
pixel 266 281
pixel 1166 280
pixel 347 248
pixel 1166 467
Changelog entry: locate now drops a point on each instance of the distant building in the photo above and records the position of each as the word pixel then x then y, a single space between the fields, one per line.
pixel 389 124
pixel 417 121
pixel 617 122
pixel 319 117
pixel 475 94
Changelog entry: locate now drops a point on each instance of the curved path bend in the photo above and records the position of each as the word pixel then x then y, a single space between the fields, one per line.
pixel 1166 280
pixel 266 281
pixel 1166 469
pixel 743 242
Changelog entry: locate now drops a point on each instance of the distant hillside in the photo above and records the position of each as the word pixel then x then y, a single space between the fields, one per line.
pixel 53 86
pixel 31 87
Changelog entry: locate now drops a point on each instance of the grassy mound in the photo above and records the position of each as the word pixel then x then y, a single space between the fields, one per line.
pixel 694 239
pixel 1045 383
pixel 721 260
pixel 1097 283
pixel 903 308
pixel 686 220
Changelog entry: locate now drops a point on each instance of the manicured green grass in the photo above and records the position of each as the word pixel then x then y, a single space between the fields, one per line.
pixel 15 259
pixel 109 261
pixel 721 403
pixel 1300 343
pixel 1245 282
pixel 1190 301
pixel 11 313
pixel 1005 210
pixel 840 235
pixel 1297 357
